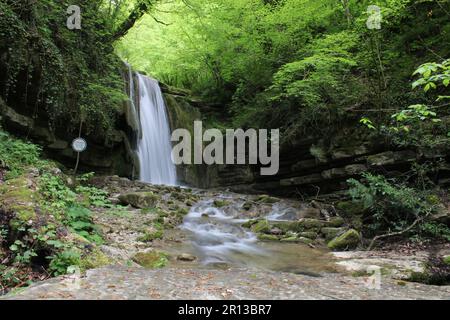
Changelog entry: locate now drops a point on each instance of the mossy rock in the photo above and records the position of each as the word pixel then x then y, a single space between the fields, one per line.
pixel 302 240
pixel 267 237
pixel 95 259
pixel 262 226
pixel 151 260
pixel 221 203
pixel 139 200
pixel 302 225
pixel 247 206
pixel 348 240
pixel 446 260
pixel 18 199
pixel 335 222
pixel 330 233
pixel 309 235
pixel 249 224
pixel 267 199
pixel 350 208
pixel 151 236
pixel 182 212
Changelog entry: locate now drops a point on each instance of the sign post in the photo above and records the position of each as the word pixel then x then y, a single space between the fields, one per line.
pixel 78 145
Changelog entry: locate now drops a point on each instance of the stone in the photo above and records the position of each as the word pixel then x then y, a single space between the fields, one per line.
pixel 248 224
pixel 267 237
pixel 312 178
pixel 151 260
pixel 186 257
pixel 276 231
pixel 335 222
pixel 220 203
pixel 330 233
pixel 348 240
pixel 381 159
pixel 333 173
pixel 267 199
pixel 247 206
pixel 262 226
pixel 309 213
pixel 309 234
pixel 139 200
pixel 354 169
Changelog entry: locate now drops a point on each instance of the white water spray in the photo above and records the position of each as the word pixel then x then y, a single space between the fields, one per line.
pixel 154 147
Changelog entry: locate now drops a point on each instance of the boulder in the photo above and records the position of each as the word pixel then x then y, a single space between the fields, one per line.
pixel 267 237
pixel 262 226
pixel 139 200
pixel 186 257
pixel 330 233
pixel 309 235
pixel 348 240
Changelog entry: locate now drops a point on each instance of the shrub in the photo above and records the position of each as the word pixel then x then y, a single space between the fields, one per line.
pixel 390 206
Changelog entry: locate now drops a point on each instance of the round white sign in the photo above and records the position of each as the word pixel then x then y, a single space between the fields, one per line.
pixel 79 145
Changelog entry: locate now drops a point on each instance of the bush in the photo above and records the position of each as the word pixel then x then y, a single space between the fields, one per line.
pixel 390 206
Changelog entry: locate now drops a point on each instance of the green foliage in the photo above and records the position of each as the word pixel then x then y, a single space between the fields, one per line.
pixel 391 206
pixel 80 220
pixel 57 196
pixel 15 155
pixel 74 73
pixel 63 261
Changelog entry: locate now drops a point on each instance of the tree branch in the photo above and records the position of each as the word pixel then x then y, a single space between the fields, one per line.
pixel 139 10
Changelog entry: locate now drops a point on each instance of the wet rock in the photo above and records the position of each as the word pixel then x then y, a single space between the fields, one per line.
pixel 348 240
pixel 186 257
pixel 221 203
pixel 151 260
pixel 309 213
pixel 330 233
pixel 335 222
pixel 267 199
pixel 247 206
pixel 139 200
pixel 249 224
pixel 267 237
pixel 276 231
pixel 262 226
pixel 309 234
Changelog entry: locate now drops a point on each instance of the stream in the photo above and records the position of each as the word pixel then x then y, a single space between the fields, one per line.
pixel 217 238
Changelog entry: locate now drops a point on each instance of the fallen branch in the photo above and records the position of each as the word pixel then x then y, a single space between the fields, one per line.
pixel 387 235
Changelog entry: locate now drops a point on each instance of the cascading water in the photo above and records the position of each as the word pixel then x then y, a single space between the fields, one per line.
pixel 154 146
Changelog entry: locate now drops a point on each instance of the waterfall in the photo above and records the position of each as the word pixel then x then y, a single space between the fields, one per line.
pixel 154 145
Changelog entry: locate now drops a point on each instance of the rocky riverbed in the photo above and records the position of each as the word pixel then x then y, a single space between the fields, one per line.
pixel 179 243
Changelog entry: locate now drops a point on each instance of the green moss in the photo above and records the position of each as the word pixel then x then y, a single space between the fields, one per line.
pixel 151 260
pixel 350 208
pixel 221 203
pixel 94 259
pixel 247 206
pixel 261 226
pixel 348 240
pixel 309 235
pixel 151 236
pixel 268 237
pixel 267 199
pixel 140 200
pixel 446 260
pixel 249 224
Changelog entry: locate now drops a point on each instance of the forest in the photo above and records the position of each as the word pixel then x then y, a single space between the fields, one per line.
pixel 360 93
